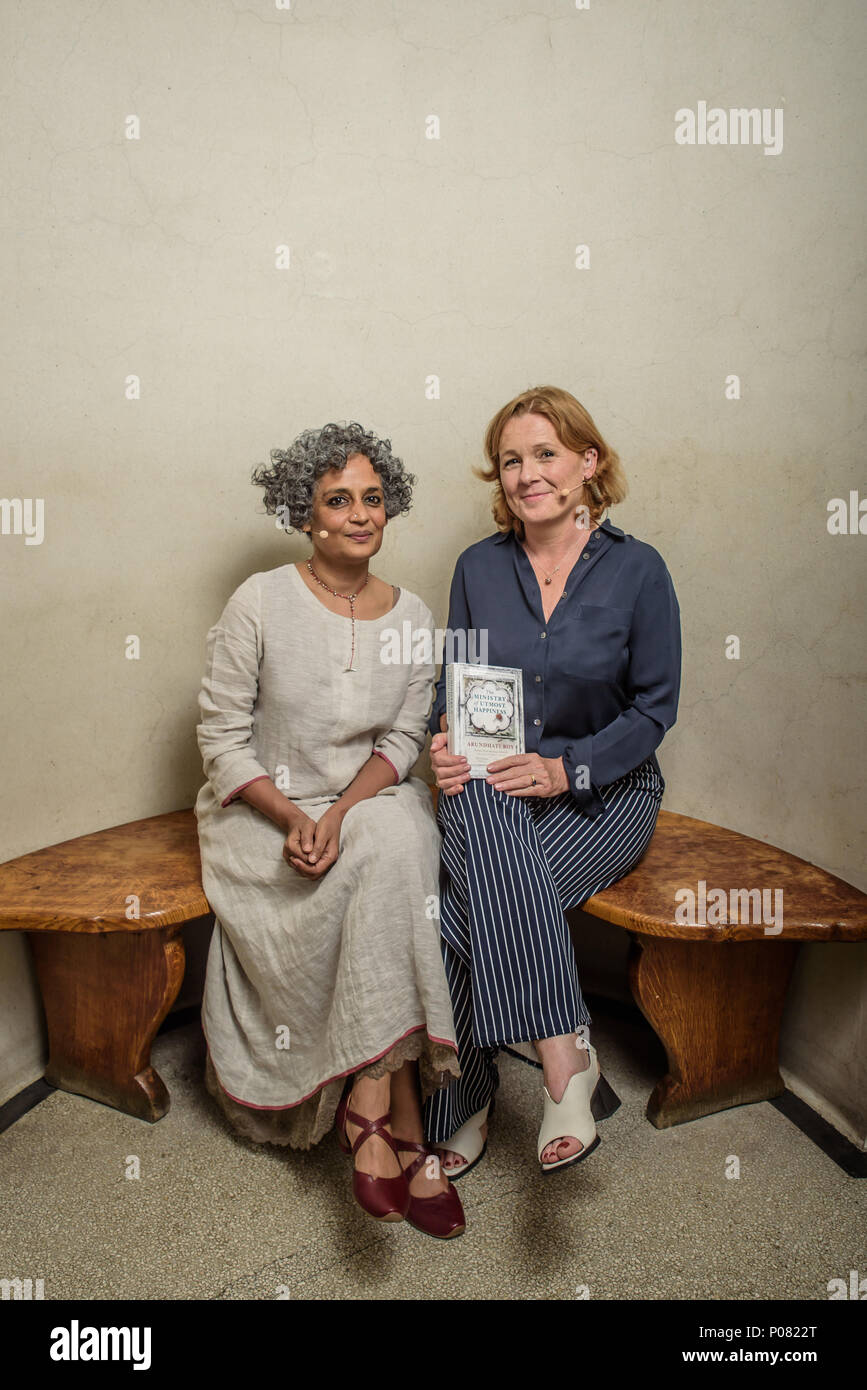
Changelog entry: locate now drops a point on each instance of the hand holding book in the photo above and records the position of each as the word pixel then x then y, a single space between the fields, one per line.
pixel 451 772
pixel 528 774
pixel 485 713
pixel 486 704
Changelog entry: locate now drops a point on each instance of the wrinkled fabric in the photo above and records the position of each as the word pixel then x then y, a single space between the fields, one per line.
pixel 308 981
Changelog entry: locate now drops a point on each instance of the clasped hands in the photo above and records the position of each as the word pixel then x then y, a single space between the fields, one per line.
pixel 513 775
pixel 312 846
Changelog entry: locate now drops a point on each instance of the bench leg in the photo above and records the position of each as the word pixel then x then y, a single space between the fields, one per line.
pixel 105 995
pixel 717 1008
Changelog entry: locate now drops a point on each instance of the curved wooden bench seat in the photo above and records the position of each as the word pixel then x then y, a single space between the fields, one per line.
pixel 104 913
pixel 715 993
pixel 108 976
pixel 817 906
pixel 84 885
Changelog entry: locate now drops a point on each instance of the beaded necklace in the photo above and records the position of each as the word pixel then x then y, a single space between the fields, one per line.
pixel 350 597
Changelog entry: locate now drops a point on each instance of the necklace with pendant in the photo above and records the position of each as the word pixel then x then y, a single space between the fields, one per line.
pixel 350 597
pixel 549 577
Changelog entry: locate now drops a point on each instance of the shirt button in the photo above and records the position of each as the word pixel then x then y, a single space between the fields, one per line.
pixel 585 557
pixel 538 678
pixel 543 634
pixel 537 721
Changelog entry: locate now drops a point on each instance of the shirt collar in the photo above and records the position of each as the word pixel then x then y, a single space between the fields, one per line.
pixel 607 526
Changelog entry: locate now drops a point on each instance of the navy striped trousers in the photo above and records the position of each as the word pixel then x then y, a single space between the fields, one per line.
pixel 510 867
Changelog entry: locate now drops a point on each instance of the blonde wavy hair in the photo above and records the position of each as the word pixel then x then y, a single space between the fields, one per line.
pixel 575 429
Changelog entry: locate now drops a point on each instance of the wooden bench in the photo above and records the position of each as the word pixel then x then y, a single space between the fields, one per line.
pixel 108 980
pixel 713 994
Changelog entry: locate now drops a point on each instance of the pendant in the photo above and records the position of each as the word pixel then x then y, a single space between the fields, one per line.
pixel 547 581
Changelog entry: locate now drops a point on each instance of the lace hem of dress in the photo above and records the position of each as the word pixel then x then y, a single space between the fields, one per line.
pixel 302 1126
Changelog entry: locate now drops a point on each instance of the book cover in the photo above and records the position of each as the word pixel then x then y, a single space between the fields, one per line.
pixel 485 713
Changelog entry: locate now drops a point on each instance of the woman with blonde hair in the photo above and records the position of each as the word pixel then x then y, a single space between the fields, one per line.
pixel 325 999
pixel 590 616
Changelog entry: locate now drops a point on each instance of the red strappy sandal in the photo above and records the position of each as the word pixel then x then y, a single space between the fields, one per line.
pixel 441 1216
pixel 386 1199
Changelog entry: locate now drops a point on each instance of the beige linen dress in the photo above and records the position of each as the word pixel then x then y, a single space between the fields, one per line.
pixel 308 981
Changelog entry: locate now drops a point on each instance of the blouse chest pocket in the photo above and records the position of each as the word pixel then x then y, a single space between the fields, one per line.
pixel 595 641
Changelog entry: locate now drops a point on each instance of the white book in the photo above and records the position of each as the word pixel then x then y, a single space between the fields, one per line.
pixel 485 713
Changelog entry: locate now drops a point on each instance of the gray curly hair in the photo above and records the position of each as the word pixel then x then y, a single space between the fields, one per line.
pixel 290 481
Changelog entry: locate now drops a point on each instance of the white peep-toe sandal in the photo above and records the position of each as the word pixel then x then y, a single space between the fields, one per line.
pixel 571 1117
pixel 467 1142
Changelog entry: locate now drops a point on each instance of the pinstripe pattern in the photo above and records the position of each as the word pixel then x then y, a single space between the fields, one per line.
pixel 510 868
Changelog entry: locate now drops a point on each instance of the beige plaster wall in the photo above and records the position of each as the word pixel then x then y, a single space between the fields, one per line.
pixel 428 281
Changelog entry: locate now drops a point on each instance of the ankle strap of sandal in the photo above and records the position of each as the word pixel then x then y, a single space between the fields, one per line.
pixel 369 1128
pixel 407 1145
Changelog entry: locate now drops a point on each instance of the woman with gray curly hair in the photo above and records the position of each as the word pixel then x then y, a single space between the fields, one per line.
pixel 325 997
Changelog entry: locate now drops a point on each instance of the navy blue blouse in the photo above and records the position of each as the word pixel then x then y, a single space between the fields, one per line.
pixel 602 674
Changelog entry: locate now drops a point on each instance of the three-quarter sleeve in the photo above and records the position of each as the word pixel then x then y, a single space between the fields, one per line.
pixel 228 696
pixel 405 739
pixel 652 685
pixel 458 622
